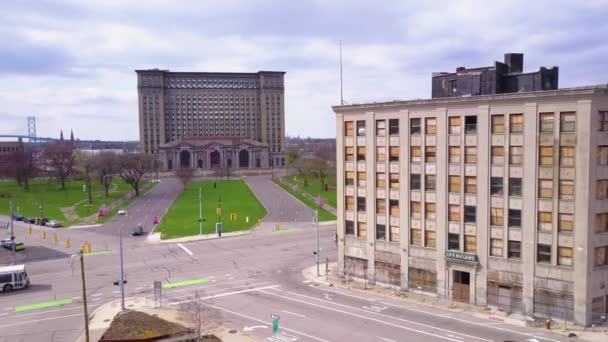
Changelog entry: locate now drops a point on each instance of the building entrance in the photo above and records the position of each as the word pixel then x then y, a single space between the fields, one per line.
pixel 461 286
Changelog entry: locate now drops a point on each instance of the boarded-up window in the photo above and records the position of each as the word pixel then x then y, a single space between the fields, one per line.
pixel 394 180
pixel 381 206
pixel 470 185
pixel 430 211
pixel 454 185
pixel 545 220
pixel 349 153
pixel 430 239
pixel 498 155
pixel 601 223
pixel 545 155
pixel 601 189
pixel 395 234
pixel 516 155
pixel 498 123
pixel 566 156
pixel 415 237
pixel 470 155
pixel 602 155
pixel 361 153
pixel 566 223
pixel 545 188
pixel 380 153
pixel 454 125
pixel 547 122
pixel 380 128
pixel 496 216
pixel 362 229
pixel 393 153
pixel 567 122
pixel 454 154
pixel 430 126
pixel 454 214
pixel 470 243
pixel 380 180
pixel 416 154
pixel 350 203
pixel 415 210
pixel 361 179
pixel 516 123
pixel 565 256
pixel 430 154
pixel 349 128
pixel 394 207
pixel 496 247
pixel 601 256
pixel 566 189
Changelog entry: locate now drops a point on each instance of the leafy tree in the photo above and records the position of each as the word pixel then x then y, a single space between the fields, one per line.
pixel 133 167
pixel 60 159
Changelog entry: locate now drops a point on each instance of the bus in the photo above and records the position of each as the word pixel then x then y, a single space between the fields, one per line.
pixel 13 278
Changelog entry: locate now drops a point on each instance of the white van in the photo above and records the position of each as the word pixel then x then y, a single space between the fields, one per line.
pixel 13 278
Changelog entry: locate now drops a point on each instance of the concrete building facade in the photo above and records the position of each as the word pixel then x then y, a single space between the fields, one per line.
pixel 494 200
pixel 174 106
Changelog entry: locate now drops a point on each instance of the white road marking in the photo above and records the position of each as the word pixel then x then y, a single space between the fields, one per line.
pixel 115 291
pixel 4 314
pixel 261 321
pixel 95 299
pixel 216 290
pixel 374 319
pixel 38 320
pixel 97 295
pixel 138 288
pixel 48 311
pixel 454 336
pixel 8 309
pixel 228 274
pixel 228 294
pixel 76 298
pixel 293 313
pixel 385 339
pixel 185 249
pixel 492 323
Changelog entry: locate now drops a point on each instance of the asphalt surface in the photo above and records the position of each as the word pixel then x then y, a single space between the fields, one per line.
pixel 245 280
pixel 281 206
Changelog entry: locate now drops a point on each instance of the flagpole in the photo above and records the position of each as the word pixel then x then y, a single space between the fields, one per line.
pixel 341 91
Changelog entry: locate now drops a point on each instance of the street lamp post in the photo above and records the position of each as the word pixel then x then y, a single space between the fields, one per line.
pixel 12 227
pixel 122 272
pixel 200 211
pixel 41 209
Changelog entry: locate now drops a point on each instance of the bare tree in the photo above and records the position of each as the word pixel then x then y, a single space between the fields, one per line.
pixel 106 166
pixel 20 165
pixel 185 175
pixel 60 160
pixel 133 167
pixel 85 164
pixel 318 168
pixel 201 317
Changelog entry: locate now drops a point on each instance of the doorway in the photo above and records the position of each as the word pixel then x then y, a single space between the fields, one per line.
pixel 215 158
pixel 184 159
pixel 461 286
pixel 244 158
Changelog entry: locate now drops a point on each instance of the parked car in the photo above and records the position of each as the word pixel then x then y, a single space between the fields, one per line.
pixel 54 224
pixel 122 212
pixel 43 221
pixel 18 217
pixel 138 230
pixel 29 220
pixel 8 244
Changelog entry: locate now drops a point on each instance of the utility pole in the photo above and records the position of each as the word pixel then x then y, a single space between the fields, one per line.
pixel 84 297
pixel 122 273
pixel 12 228
pixel 200 211
pixel 317 230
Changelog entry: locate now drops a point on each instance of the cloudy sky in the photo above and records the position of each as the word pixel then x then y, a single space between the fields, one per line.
pixel 71 63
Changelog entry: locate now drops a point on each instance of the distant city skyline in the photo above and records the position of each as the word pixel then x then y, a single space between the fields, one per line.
pixel 70 63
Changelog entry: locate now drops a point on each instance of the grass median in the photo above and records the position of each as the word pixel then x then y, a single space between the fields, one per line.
pixel 236 197
pixel 313 188
pixel 324 215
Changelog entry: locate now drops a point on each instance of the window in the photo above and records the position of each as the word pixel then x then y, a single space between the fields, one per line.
pixel 470 214
pixel 602 155
pixel 380 128
pixel 516 123
pixel 430 239
pixel 498 124
pixel 514 250
pixel 470 243
pixel 430 211
pixel 601 223
pixel 496 247
pixel 496 186
pixel 453 241
pixel 415 210
pixel 470 185
pixel 350 178
pixel 350 203
pixel 454 185
pixel 515 187
pixel 430 126
pixel 454 154
pixel 470 155
pixel 381 206
pixel 516 155
pixel 350 228
pixel 545 188
pixel 565 256
pixel 601 256
pixel 543 253
pixel 360 203
pixel 349 128
pixel 362 229
pixel 454 125
pixel 566 156
pixel 394 180
pixel 415 237
pixel 415 182
pixel 416 154
pixel 395 234
pixel 360 128
pixel 546 122
pixel 454 214
pixel 393 126
pixel 496 216
pixel 498 155
pixel 567 122
pixel 514 218
pixel 361 153
pixel 415 126
pixel 601 189
pixel 380 232
pixel 470 124
pixel 394 207
pixel 380 180
pixel 393 154
pixel 350 153
pixel 430 154
pixel 566 223
pixel 603 118
pixel 361 178
pixel 429 182
pixel 566 189
pixel 380 154
pixel 545 220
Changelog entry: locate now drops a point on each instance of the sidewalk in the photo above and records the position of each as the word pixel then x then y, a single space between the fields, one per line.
pixel 101 318
pixel 591 334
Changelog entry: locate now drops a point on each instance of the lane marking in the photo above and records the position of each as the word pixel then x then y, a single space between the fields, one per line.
pixel 43 305
pixel 117 291
pixel 293 313
pixel 375 313
pixel 97 295
pixel 76 298
pixel 97 253
pixel 263 322
pixel 185 283
pixel 290 230
pixel 38 320
pixel 185 249
pixel 227 294
pixel 4 314
pixel 45 312
pixel 385 339
pixel 167 294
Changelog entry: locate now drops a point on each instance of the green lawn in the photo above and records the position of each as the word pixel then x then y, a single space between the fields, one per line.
pixel 46 193
pixel 324 215
pixel 142 190
pixel 182 218
pixel 313 187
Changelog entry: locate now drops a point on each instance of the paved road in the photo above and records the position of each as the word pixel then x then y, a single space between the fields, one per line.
pixel 281 206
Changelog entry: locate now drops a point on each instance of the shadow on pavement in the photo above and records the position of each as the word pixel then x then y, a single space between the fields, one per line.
pixel 37 253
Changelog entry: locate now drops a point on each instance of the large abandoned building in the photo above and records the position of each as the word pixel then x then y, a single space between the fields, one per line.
pixel 212 120
pixel 497 198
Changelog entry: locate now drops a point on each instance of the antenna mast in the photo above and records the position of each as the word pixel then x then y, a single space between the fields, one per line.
pixel 341 92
